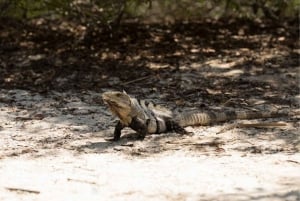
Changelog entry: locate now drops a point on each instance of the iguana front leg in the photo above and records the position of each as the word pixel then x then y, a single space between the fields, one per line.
pixel 136 124
pixel 117 132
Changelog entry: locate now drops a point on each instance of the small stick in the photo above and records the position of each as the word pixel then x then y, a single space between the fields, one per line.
pixel 292 161
pixel 136 80
pixel 261 125
pixel 82 181
pixel 22 190
pixel 249 125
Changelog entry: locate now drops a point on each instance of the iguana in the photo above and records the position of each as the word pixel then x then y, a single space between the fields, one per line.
pixel 146 117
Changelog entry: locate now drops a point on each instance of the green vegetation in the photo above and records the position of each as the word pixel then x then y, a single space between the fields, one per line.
pixel 113 11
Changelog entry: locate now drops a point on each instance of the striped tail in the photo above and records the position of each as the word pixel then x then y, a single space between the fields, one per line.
pixel 205 118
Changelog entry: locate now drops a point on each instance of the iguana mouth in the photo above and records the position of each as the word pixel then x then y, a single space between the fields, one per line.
pixel 113 107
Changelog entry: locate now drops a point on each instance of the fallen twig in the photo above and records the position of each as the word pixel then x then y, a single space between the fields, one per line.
pixel 22 190
pixel 212 143
pixel 81 181
pixel 292 161
pixel 249 125
pixel 136 80
pixel 261 125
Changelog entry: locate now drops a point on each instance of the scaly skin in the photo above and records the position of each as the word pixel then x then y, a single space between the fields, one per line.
pixel 145 117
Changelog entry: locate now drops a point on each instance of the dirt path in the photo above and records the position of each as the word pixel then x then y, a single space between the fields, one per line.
pixel 53 147
pixel 176 175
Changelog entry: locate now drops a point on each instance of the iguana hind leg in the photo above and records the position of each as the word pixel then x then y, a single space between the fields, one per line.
pixel 140 127
pixel 174 126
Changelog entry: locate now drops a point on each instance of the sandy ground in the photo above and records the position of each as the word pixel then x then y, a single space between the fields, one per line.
pixel 53 147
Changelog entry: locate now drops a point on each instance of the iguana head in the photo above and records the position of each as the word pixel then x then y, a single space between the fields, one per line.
pixel 120 105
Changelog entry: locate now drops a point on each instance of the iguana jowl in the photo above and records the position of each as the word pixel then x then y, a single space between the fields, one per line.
pixel 145 117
